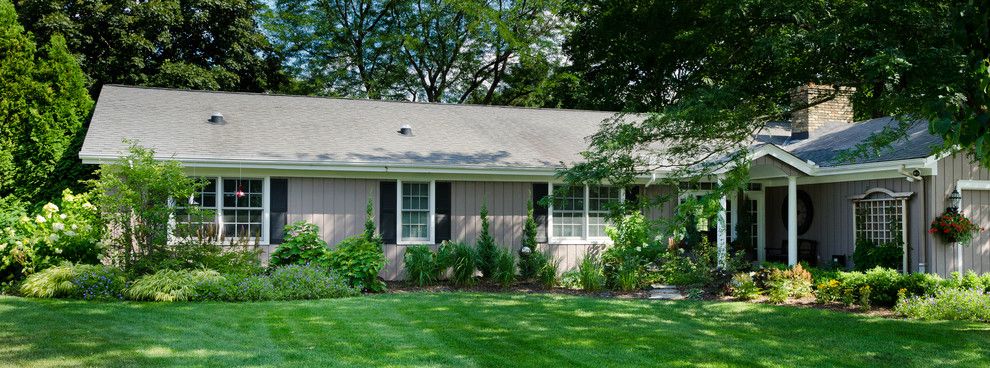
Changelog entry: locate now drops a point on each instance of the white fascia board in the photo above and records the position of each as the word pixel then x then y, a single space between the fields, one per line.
pixel 783 156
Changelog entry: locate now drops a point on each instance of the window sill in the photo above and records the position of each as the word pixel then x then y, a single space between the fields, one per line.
pixel 580 241
pixel 414 242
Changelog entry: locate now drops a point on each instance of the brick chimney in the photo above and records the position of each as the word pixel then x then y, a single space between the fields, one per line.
pixel 805 121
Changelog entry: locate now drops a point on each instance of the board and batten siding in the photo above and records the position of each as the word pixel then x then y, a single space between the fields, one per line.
pixel 337 206
pixel 975 205
pixel 832 222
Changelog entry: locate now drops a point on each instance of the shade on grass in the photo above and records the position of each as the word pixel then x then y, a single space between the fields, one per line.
pixel 472 329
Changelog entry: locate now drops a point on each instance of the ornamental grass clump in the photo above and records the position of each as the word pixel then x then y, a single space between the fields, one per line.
pixel 90 282
pixel 172 285
pixel 420 263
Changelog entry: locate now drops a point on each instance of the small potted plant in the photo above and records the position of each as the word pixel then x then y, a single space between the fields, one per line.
pixel 953 227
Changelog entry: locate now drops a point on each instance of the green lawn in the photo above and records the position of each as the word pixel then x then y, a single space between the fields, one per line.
pixel 472 329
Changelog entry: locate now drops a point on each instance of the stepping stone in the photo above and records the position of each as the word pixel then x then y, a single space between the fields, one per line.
pixel 665 292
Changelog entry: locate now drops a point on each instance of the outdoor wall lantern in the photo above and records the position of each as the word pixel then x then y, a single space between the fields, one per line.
pixel 955 200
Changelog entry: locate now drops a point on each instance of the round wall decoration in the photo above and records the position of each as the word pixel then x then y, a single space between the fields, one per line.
pixel 805 212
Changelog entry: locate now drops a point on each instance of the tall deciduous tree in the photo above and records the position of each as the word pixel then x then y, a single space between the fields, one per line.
pixel 715 73
pixel 43 103
pixel 198 44
pixel 437 51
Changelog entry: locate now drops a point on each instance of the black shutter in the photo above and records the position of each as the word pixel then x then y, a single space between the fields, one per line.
pixel 279 208
pixel 632 193
pixel 540 191
pixel 386 211
pixel 442 229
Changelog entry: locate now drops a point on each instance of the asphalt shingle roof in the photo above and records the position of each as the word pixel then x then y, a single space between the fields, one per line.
pixel 318 130
pixel 276 128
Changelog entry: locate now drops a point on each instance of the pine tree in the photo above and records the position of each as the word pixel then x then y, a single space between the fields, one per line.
pixel 43 103
pixel 487 249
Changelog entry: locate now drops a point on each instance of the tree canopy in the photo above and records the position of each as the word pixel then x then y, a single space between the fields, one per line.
pixel 437 51
pixel 714 73
pixel 197 44
pixel 43 104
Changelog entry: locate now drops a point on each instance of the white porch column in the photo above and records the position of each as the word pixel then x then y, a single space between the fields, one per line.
pixel 792 242
pixel 721 232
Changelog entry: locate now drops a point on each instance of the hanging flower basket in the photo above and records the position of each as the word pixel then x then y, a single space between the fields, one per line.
pixel 954 227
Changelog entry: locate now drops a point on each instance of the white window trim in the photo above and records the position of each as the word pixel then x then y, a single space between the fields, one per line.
pixel 584 239
pixel 898 197
pixel 431 224
pixel 218 209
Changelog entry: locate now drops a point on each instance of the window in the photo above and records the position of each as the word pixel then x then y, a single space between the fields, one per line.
pixel 568 213
pixel 599 200
pixel 416 212
pixel 242 208
pixel 228 210
pixel 581 213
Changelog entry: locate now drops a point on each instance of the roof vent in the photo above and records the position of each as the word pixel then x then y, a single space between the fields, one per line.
pixel 216 118
pixel 405 130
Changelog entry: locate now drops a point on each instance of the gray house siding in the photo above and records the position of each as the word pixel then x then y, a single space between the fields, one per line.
pixel 337 206
pixel 975 204
pixel 832 223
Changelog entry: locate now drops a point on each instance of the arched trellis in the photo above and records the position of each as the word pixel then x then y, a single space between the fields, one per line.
pixel 875 207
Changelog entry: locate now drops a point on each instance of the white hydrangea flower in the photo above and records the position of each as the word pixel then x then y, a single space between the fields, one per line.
pixel 40 219
pixel 70 233
pixel 88 206
pixel 50 208
pixel 58 226
pixel 62 216
pixel 53 237
pixel 74 226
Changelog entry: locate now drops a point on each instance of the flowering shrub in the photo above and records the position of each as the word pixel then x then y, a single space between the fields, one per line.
pixel 76 281
pixel 828 291
pixel 953 226
pixel 309 282
pixel 302 245
pixel 633 248
pixel 743 287
pixel 67 231
pixel 947 304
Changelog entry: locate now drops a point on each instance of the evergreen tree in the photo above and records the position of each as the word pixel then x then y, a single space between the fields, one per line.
pixel 43 104
pixel 487 249
pixel 528 263
pixel 370 232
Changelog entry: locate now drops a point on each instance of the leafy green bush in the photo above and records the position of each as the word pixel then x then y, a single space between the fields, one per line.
pixel 883 282
pixel 69 231
pixel 870 255
pixel 676 268
pixel 504 272
pixel 633 248
pixel 238 288
pixel 488 251
pixel 590 274
pixel 781 284
pixel 76 281
pixel 296 282
pixel 828 291
pixel 947 304
pixel 359 261
pixel 743 286
pixel 422 267
pixel 302 245
pixel 570 279
pixel 172 285
pixel 463 260
pixel 971 280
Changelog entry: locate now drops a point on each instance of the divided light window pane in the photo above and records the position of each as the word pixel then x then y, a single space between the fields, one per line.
pixel 415 211
pixel 600 202
pixel 568 212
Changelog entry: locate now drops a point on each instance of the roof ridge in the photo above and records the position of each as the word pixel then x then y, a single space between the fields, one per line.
pixel 438 104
